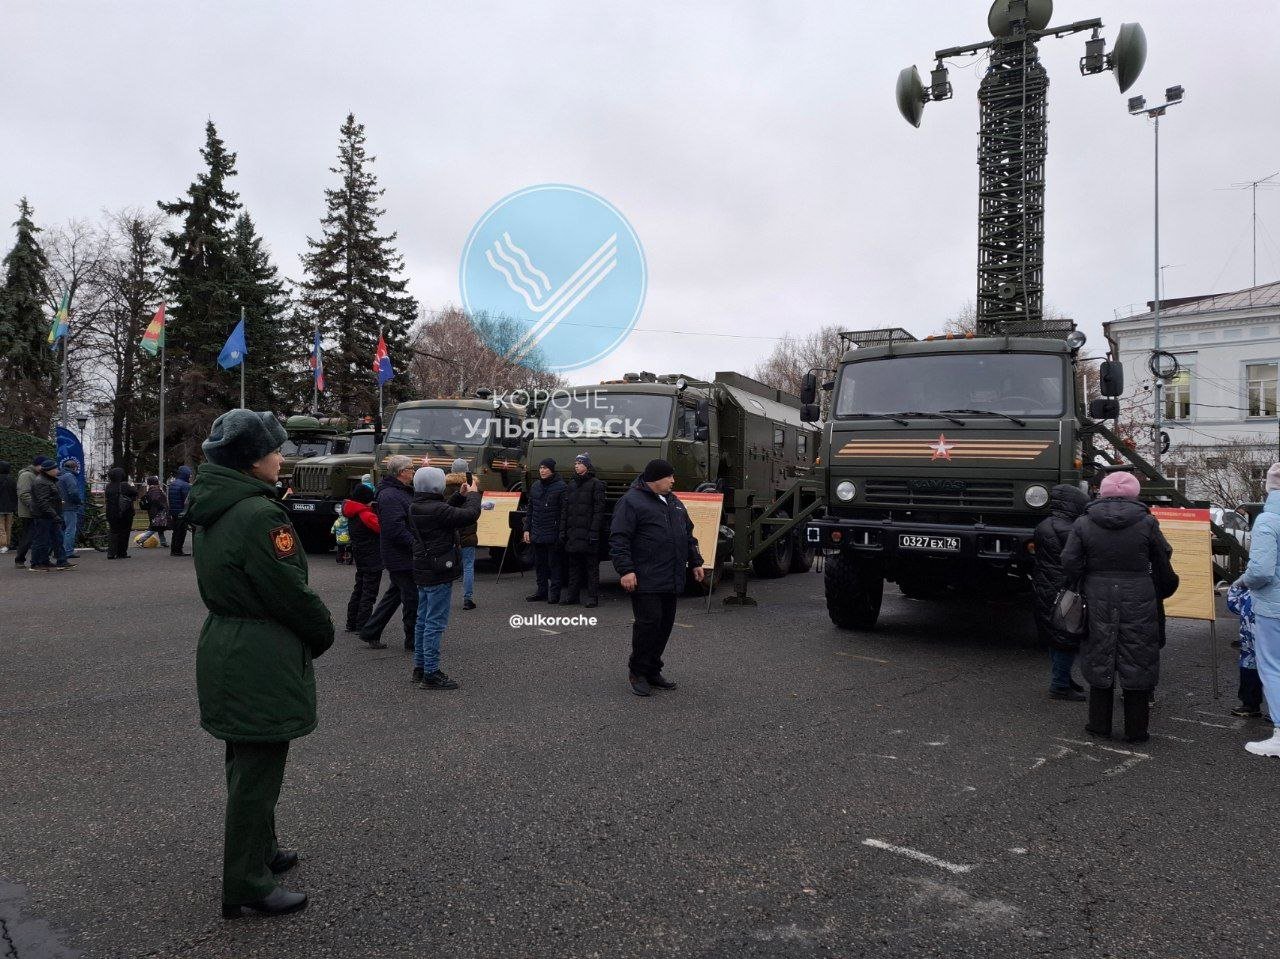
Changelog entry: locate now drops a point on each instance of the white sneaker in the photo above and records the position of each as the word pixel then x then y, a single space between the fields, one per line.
pixel 4 549
pixel 1266 747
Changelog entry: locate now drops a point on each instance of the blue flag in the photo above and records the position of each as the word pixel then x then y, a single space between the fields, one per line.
pixel 69 448
pixel 233 352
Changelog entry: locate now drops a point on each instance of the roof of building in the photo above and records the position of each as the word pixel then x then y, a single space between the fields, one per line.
pixel 1254 297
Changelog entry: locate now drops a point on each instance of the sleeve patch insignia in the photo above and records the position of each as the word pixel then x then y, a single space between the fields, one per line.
pixel 283 541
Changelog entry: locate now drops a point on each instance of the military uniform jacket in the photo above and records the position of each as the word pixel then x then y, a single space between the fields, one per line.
pixel 265 624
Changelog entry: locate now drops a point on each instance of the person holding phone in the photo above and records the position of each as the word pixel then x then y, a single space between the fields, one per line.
pixel 460 475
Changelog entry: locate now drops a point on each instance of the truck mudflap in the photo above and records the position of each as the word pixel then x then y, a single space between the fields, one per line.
pixel 893 540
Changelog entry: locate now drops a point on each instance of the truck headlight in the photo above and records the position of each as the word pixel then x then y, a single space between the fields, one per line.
pixel 846 491
pixel 1036 496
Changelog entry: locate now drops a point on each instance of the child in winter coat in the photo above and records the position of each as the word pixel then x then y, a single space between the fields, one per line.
pixel 365 533
pixel 342 537
pixel 1241 603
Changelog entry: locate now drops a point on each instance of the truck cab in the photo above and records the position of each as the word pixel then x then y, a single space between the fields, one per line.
pixel 309 436
pixel 487 433
pixel 938 459
pixel 321 484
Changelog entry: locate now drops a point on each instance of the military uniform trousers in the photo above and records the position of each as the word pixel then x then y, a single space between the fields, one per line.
pixel 254 774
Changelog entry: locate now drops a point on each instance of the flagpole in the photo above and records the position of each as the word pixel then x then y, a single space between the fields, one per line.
pixel 160 458
pixel 65 366
pixel 244 358
pixel 315 382
pixel 379 380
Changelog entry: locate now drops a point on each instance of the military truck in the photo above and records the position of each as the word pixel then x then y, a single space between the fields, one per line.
pixel 487 432
pixel 320 484
pixel 937 461
pixel 308 437
pixel 731 434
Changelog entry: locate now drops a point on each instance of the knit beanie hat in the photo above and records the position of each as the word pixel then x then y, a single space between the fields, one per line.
pixel 361 493
pixel 1273 478
pixel 428 479
pixel 1124 485
pixel 459 466
pixel 584 459
pixel 549 463
pixel 655 470
pixel 239 438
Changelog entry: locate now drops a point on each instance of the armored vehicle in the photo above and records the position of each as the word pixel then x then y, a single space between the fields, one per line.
pixel 320 484
pixel 731 434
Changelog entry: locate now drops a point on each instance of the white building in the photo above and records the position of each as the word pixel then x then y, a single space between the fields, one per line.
pixel 1220 408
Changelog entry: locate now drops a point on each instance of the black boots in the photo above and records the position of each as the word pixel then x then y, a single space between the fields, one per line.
pixel 640 685
pixel 1099 711
pixel 283 861
pixel 275 903
pixel 1137 713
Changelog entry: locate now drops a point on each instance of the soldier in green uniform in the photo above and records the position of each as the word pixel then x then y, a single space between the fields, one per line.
pixel 253 666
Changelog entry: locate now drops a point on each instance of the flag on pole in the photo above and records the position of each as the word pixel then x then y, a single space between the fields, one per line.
pixel 234 350
pixel 61 321
pixel 382 361
pixel 153 338
pixel 317 361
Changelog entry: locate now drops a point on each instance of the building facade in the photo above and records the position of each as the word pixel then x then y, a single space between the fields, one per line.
pixel 1218 406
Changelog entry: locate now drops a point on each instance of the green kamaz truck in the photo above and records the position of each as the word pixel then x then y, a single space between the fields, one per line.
pixel 308 437
pixel 731 434
pixel 937 461
pixel 320 484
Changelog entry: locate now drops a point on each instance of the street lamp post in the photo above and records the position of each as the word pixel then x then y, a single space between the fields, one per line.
pixel 1138 107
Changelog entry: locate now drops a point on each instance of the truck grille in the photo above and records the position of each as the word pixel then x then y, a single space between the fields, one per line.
pixel 901 493
pixel 614 490
pixel 310 480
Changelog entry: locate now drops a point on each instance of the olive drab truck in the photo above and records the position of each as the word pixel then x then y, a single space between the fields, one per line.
pixel 310 436
pixel 938 457
pixel 730 434
pixel 320 485
pixel 487 432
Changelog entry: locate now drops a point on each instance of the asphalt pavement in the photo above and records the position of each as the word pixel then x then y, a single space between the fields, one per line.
pixel 805 792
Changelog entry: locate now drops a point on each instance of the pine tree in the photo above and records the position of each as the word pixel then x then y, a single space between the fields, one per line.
pixel 352 284
pixel 275 339
pixel 201 284
pixel 27 365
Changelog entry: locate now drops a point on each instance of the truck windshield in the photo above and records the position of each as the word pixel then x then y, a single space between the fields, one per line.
pixel 1026 384
pixel 306 448
pixel 600 413
pixel 439 425
pixel 361 443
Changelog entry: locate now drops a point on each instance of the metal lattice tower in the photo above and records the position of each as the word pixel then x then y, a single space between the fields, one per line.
pixel 1012 144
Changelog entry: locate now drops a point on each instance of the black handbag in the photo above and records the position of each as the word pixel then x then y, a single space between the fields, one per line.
pixel 446 563
pixel 1070 617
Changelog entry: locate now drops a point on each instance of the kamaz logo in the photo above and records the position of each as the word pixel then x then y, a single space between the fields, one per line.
pixel 937 485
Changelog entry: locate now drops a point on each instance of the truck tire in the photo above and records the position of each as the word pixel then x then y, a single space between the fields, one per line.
pixel 802 553
pixel 775 561
pixel 853 592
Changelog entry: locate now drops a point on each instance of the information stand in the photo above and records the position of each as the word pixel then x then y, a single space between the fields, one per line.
pixel 1188 532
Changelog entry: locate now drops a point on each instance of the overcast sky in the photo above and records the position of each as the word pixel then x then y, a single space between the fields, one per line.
pixel 754 146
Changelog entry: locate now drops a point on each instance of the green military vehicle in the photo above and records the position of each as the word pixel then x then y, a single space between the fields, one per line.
pixel 731 434
pixel 937 462
pixel 320 484
pixel 487 432
pixel 308 437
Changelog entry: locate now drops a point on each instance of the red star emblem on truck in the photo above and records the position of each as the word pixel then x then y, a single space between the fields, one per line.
pixel 942 449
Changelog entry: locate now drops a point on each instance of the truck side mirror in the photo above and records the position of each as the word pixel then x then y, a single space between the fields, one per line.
pixel 808 389
pixel 1111 378
pixel 1104 409
pixel 810 412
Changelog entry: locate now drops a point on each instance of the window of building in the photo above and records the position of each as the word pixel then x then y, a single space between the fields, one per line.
pixel 1177 475
pixel 1261 379
pixel 1177 396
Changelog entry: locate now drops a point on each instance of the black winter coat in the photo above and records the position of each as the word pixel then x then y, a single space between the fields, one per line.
pixel 542 521
pixel 8 490
pixel 1117 551
pixel 435 532
pixel 653 539
pixel 119 487
pixel 364 540
pixel 46 501
pixel 393 502
pixel 1066 505
pixel 582 515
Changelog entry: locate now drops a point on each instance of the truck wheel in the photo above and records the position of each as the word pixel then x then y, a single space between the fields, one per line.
pixel 802 554
pixel 775 561
pixel 853 592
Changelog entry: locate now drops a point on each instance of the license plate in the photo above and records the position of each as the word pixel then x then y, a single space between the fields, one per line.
pixel 303 507
pixel 944 544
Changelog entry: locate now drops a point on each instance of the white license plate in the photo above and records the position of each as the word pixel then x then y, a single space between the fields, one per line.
pixel 303 507
pixel 944 544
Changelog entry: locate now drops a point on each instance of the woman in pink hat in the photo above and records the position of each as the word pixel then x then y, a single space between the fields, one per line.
pixel 1117 554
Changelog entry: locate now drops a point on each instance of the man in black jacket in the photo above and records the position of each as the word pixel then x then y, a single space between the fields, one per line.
pixel 580 524
pixel 396 542
pixel 46 518
pixel 437 562
pixel 1066 504
pixel 542 531
pixel 653 549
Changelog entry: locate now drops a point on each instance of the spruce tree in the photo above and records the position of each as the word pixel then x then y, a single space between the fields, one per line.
pixel 352 285
pixel 276 342
pixel 27 365
pixel 201 284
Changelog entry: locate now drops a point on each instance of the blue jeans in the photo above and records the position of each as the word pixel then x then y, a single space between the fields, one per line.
pixel 433 617
pixel 468 571
pixel 71 520
pixel 1266 645
pixel 1060 664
